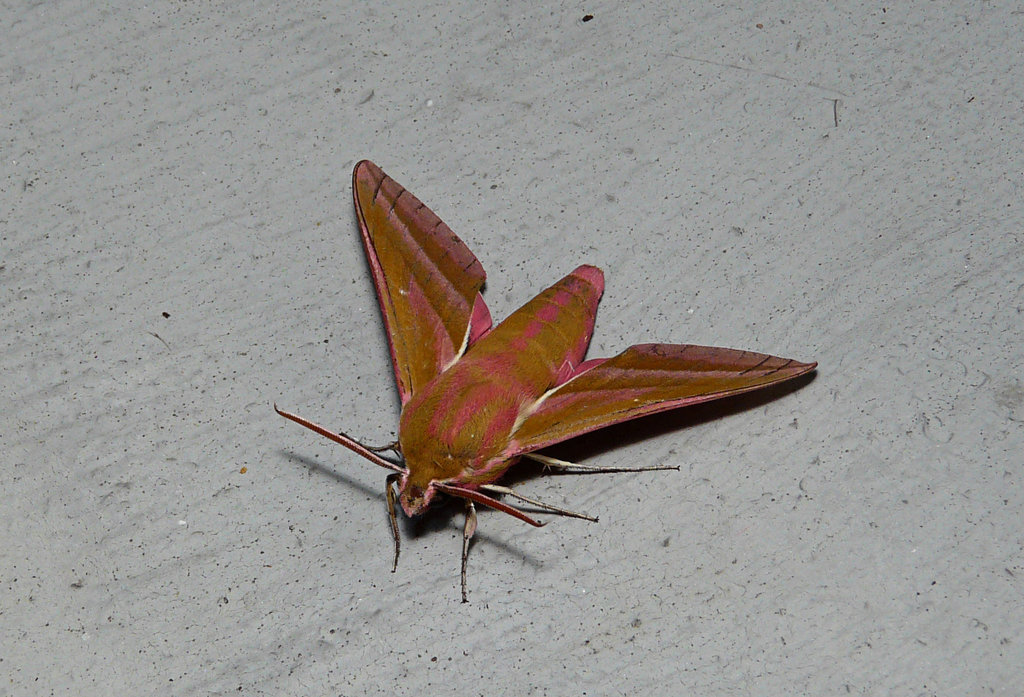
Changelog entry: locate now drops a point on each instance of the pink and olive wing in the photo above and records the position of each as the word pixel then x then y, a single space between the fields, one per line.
pixel 471 409
pixel 428 282
pixel 642 380
pixel 542 344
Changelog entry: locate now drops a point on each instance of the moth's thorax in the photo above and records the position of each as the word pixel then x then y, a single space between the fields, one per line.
pixel 457 428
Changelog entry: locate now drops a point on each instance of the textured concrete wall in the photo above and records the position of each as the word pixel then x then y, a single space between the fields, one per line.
pixel 179 251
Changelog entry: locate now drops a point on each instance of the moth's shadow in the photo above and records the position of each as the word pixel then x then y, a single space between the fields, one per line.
pixel 443 515
pixel 446 512
pixel 613 437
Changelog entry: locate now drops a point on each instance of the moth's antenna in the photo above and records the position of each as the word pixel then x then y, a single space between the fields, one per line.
pixel 341 439
pixel 483 499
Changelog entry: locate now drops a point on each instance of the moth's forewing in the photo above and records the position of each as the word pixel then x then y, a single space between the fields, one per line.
pixel 428 282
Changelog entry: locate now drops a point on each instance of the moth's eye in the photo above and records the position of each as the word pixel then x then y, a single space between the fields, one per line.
pixel 414 495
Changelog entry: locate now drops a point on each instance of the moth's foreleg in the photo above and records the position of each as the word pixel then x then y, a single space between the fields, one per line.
pixel 392 493
pixel 395 447
pixel 467 535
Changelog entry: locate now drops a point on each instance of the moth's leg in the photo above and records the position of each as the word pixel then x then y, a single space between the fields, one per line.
pixel 393 447
pixel 573 467
pixel 389 487
pixel 497 489
pixel 467 535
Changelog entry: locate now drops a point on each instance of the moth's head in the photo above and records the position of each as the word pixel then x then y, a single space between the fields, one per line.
pixel 414 498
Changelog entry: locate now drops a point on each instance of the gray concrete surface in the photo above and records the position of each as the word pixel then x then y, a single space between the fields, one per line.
pixel 179 251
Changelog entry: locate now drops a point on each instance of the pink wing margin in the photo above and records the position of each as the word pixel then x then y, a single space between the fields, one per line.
pixel 428 282
pixel 644 379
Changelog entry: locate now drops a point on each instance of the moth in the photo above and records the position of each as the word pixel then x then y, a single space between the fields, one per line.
pixel 476 398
